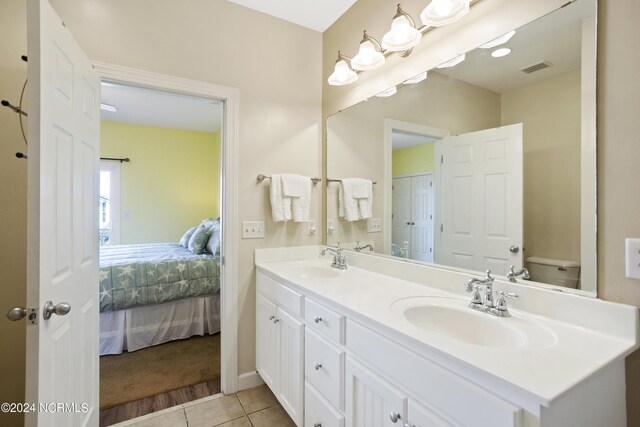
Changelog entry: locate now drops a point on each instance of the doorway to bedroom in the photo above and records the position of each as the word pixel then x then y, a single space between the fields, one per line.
pixel 160 236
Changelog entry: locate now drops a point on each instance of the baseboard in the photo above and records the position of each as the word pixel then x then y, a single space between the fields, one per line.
pixel 249 380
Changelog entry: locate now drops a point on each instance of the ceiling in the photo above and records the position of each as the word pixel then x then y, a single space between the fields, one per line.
pixel 314 14
pixel 149 107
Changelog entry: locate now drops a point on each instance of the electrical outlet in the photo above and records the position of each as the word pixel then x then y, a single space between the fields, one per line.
pixel 374 225
pixel 331 226
pixel 253 229
pixel 633 258
pixel 311 227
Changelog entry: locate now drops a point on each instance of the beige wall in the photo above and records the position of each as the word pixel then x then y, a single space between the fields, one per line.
pixel 618 124
pixel 171 183
pixel 550 111
pixel 209 40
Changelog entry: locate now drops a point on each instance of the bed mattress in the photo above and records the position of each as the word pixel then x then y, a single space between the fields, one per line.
pixel 141 275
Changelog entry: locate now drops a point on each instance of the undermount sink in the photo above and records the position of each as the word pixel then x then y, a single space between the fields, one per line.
pixel 451 318
pixel 314 272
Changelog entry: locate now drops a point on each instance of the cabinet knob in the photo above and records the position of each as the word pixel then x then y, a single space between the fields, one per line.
pixel 317 319
pixel 318 366
pixel 276 320
pixel 272 317
pixel 394 416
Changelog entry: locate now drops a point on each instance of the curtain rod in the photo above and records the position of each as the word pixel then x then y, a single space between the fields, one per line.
pixel 116 159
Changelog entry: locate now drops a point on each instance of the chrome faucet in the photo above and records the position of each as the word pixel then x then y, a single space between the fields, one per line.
pixel 484 301
pixel 358 248
pixel 339 259
pixel 513 274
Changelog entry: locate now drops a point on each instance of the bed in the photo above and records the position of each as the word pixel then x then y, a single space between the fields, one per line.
pixel 154 293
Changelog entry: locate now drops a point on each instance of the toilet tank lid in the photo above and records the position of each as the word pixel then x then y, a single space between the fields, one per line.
pixel 553 262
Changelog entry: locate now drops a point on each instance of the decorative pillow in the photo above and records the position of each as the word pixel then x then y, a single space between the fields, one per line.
pixel 184 242
pixel 199 240
pixel 213 245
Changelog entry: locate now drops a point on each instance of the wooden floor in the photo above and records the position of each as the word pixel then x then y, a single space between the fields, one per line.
pixel 156 403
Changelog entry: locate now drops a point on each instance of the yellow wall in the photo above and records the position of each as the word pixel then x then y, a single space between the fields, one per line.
pixel 413 160
pixel 550 111
pixel 171 183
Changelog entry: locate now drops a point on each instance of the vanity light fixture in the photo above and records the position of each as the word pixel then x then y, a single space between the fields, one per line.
pixel 499 53
pixel 403 34
pixel 416 79
pixel 498 40
pixel 108 107
pixel 452 62
pixel 342 73
pixel 443 12
pixel 369 55
pixel 388 92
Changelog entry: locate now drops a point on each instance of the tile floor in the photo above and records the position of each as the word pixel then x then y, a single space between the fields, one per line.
pixel 255 407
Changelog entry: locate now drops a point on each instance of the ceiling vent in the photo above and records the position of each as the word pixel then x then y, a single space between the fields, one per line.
pixel 536 67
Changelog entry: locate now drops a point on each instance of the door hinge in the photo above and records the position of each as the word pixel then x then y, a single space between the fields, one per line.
pixel 430 249
pixel 430 183
pixel 441 228
pixel 430 216
pixel 441 159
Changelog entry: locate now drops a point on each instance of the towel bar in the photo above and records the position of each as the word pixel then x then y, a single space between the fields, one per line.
pixel 262 177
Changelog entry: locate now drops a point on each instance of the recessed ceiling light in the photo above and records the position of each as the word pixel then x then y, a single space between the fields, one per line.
pixel 107 107
pixel 498 40
pixel 389 92
pixel 416 79
pixel 499 53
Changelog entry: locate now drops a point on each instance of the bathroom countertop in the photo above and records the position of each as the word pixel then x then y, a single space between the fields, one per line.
pixel 541 373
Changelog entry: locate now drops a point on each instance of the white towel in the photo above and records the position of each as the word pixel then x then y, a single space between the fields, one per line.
pixel 363 191
pixel 350 204
pixel 280 204
pixel 301 206
pixel 361 188
pixel 294 185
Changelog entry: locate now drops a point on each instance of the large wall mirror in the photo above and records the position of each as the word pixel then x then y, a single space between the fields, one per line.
pixel 485 162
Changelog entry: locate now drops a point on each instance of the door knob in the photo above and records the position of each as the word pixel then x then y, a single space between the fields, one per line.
pixel 394 416
pixel 514 249
pixel 16 313
pixel 58 309
pixel 409 223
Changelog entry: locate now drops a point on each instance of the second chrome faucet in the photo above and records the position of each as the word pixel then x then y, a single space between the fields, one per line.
pixel 482 296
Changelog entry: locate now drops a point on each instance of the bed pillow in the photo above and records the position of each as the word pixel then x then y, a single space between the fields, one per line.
pixel 184 241
pixel 198 242
pixel 213 245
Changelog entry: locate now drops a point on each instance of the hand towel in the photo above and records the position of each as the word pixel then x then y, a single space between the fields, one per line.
pixel 350 205
pixel 280 204
pixel 301 206
pixel 363 192
pixel 294 185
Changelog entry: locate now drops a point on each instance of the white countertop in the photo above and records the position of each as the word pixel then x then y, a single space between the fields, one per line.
pixel 542 373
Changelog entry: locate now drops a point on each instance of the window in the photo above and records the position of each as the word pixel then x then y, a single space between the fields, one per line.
pixel 109 207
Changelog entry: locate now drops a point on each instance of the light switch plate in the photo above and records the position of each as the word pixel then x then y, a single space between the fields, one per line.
pixel 374 225
pixel 633 258
pixel 253 229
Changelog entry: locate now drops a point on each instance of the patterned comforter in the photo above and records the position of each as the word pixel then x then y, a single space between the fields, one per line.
pixel 137 275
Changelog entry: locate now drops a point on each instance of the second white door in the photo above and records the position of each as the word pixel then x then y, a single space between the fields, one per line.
pixel 413 216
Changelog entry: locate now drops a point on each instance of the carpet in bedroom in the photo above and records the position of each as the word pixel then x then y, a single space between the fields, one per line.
pixel 153 370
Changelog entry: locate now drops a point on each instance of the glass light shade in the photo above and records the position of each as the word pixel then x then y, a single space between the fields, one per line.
pixel 402 36
pixel 342 74
pixel 416 79
pixel 498 40
pixel 368 57
pixel 443 12
pixel 389 92
pixel 452 62
pixel 499 53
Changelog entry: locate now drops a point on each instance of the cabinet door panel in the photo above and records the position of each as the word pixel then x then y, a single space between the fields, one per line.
pixel 291 379
pixel 266 341
pixel 370 400
pixel 318 412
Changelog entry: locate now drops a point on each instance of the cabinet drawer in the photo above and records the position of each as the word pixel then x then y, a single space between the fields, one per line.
pixel 321 319
pixel 324 368
pixel 446 393
pixel 282 295
pixel 318 412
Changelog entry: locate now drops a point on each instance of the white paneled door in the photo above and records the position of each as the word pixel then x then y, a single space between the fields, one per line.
pixel 64 132
pixel 412 215
pixel 481 188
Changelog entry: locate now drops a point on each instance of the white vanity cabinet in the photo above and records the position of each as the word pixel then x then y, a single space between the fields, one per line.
pixel 280 344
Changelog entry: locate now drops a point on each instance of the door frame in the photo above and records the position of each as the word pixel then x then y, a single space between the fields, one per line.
pixel 229 188
pixel 389 126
